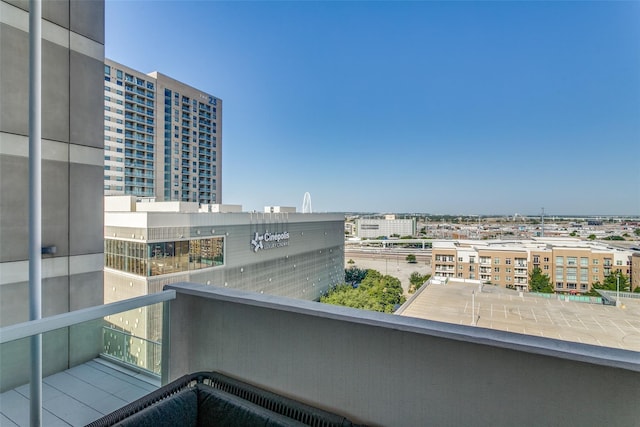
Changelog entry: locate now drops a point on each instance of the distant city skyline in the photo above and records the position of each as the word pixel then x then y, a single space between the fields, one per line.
pixel 440 107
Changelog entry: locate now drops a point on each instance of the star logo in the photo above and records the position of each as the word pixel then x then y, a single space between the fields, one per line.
pixel 256 242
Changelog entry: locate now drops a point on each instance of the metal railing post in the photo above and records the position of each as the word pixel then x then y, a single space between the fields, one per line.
pixel 35 204
pixel 166 342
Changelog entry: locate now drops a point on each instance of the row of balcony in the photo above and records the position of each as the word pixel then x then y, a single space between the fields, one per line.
pixel 139 100
pixel 131 107
pixel 139 164
pixel 148 93
pixel 138 146
pixel 136 173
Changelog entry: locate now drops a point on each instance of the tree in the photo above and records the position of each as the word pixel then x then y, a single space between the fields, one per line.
pixel 613 238
pixel 636 231
pixel 411 259
pixel 610 283
pixel 592 237
pixel 416 280
pixel 573 234
pixel 354 274
pixel 539 282
pixel 376 292
pixel 351 261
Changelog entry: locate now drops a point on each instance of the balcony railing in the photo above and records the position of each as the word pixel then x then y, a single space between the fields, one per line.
pixel 381 369
pixel 373 368
pixel 72 339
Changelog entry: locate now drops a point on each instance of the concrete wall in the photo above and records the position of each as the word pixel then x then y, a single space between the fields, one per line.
pixel 389 370
pixel 72 169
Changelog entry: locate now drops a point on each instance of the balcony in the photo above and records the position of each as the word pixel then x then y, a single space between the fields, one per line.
pixel 373 368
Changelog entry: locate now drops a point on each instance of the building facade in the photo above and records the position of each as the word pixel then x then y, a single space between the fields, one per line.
pixel 572 265
pixel 163 138
pixel 149 245
pixel 72 173
pixel 368 228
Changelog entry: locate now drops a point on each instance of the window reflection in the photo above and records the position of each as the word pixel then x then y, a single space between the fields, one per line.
pixel 153 259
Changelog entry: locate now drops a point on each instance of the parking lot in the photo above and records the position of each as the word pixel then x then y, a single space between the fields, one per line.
pixel 504 309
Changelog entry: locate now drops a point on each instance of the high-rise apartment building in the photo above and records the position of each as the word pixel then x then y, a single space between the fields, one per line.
pixel 162 137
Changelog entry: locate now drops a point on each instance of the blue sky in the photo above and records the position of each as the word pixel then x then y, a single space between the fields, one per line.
pixel 438 107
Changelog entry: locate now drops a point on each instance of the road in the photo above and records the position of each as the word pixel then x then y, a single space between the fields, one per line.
pixel 391 262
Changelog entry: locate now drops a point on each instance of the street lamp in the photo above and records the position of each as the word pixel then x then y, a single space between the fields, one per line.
pixel 473 308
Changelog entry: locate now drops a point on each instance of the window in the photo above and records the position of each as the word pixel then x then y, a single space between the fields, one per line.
pixel 546 267
pixel 584 261
pixel 496 260
pixel 559 285
pixel 472 259
pixel 545 259
pixel 508 269
pixel 595 262
pixel 107 70
pixel 595 269
pixel 536 259
pixel 559 260
pixel 496 278
pixel 619 262
pixel 584 274
pixel 507 261
pixel 572 274
pixel 496 269
pixel 508 278
pixel 583 286
pixel 559 273
pixel 571 260
pixel 460 259
pixel 119 74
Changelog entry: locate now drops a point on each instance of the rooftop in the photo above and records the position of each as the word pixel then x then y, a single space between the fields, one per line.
pixel 554 316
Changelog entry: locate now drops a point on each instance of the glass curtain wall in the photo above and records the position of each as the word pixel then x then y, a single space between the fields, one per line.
pixel 154 259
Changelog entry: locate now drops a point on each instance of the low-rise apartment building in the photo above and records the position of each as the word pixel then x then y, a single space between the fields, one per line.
pixel 572 265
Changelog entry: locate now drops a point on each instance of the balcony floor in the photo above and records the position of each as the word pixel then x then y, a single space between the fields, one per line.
pixel 78 396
